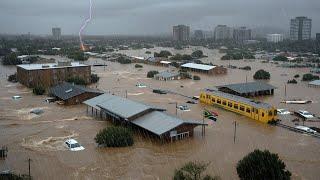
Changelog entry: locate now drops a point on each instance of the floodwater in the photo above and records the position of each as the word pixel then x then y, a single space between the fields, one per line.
pixel 41 137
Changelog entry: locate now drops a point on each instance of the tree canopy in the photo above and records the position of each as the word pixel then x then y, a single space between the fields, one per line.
pixel 309 77
pixel 115 136
pixel 197 54
pixel 163 54
pixel 261 74
pixel 262 165
pixel 193 171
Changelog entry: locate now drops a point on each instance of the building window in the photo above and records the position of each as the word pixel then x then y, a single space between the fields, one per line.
pixel 241 108
pixel 235 106
pixel 213 100
pixel 230 104
pixel 248 110
pixel 218 101
pixel 224 102
pixel 257 111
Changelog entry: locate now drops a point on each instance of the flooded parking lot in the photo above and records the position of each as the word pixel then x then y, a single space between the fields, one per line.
pixel 41 137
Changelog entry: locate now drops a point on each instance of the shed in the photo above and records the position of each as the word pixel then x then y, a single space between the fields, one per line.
pixel 203 68
pixel 73 94
pixel 315 83
pixel 248 89
pixel 167 76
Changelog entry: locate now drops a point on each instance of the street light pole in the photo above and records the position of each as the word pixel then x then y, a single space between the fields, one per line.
pixel 235 131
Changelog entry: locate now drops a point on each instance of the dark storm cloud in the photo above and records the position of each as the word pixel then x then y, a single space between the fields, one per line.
pixel 150 16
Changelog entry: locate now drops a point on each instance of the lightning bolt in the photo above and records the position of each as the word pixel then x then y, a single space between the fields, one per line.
pixel 84 25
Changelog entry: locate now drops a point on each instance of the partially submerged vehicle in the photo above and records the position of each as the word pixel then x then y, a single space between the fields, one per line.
pixel 283 111
pixel 159 91
pixel 183 108
pixel 16 97
pixel 37 111
pixel 304 114
pixel 73 145
pixel 296 101
pixel 306 129
pixel 140 85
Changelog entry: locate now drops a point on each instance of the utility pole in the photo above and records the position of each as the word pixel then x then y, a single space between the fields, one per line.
pixel 203 127
pixel 235 132
pixel 126 94
pixel 176 108
pixel 285 90
pixel 29 162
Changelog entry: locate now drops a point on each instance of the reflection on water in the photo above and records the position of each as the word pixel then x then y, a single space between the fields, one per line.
pixel 41 137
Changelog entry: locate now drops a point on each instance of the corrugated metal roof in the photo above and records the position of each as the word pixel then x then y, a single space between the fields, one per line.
pixel 240 99
pixel 249 87
pixel 49 66
pixel 67 90
pixel 198 66
pixel 122 107
pixel 160 123
pixel 166 74
pixel 315 83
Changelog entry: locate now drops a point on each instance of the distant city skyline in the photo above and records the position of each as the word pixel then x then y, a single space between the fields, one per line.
pixel 149 17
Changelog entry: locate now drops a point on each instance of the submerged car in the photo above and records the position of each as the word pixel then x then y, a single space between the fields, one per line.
pixel 306 129
pixel 73 145
pixel 139 85
pixel 183 108
pixel 305 114
pixel 16 97
pixel 283 111
pixel 159 91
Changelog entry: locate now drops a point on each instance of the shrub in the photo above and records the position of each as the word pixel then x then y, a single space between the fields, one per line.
pixel 163 54
pixel 148 52
pixel 38 90
pixel 197 54
pixel 94 78
pixel 280 58
pixel 247 68
pixel 196 78
pixel 193 171
pixel 13 78
pixel 262 165
pixel 296 76
pixel 76 80
pixel 152 73
pixel 123 60
pixel 261 74
pixel 11 59
pixel 138 66
pixel 309 77
pixel 78 56
pixel 293 81
pixel 115 137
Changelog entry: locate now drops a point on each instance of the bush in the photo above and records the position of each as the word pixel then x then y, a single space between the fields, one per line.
pixel 197 54
pixel 115 137
pixel 123 60
pixel 261 74
pixel 38 90
pixel 196 78
pixel 148 52
pixel 193 171
pixel 13 78
pixel 262 165
pixel 11 59
pixel 293 81
pixel 296 76
pixel 163 54
pixel 94 78
pixel 309 77
pixel 77 80
pixel 247 68
pixel 280 58
pixel 138 66
pixel 152 73
pixel 78 56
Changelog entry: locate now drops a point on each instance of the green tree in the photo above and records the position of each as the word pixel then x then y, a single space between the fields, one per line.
pixel 262 165
pixel 78 56
pixel 138 66
pixel 296 76
pixel 293 81
pixel 186 57
pixel 309 77
pixel 123 60
pixel 77 80
pixel 197 54
pixel 193 171
pixel 94 78
pixel 11 59
pixel 13 78
pixel 115 137
pixel 280 58
pixel 38 90
pixel 164 53
pixel 261 74
pixel 196 78
pixel 152 73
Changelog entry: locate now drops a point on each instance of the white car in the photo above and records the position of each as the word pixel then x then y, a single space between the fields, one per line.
pixel 16 97
pixel 183 108
pixel 306 129
pixel 283 111
pixel 141 85
pixel 73 145
pixel 305 114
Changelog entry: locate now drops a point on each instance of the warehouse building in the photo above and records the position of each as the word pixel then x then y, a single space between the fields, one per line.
pixel 47 75
pixel 248 89
pixel 145 117
pixel 167 76
pixel 203 68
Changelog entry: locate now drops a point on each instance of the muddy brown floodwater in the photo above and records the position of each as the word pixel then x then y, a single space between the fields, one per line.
pixel 40 137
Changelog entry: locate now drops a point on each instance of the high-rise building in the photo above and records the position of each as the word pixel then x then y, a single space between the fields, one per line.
pixel 274 38
pixel 241 34
pixel 300 28
pixel 181 33
pixel 199 34
pixel 56 33
pixel 222 32
pixel 318 36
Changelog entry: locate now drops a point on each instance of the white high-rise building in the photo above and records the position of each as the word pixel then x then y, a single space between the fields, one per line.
pixel 274 38
pixel 56 33
pixel 222 32
pixel 300 28
pixel 181 33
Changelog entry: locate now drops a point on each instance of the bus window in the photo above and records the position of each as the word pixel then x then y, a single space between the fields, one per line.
pixel 248 110
pixel 257 111
pixel 241 108
pixel 235 106
pixel 270 113
pixel 224 102
pixel 262 114
pixel 218 101
pixel 213 100
pixel 230 104
pixel 208 96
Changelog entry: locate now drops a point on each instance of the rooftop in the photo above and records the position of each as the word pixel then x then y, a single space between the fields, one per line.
pixel 160 123
pixel 67 90
pixel 235 98
pixel 249 87
pixel 49 66
pixel 198 66
pixel 167 74
pixel 315 83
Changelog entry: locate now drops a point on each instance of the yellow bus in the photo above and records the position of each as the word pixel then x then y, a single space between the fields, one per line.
pixel 259 111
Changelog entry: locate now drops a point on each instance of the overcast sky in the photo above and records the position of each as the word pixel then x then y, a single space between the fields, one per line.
pixel 147 17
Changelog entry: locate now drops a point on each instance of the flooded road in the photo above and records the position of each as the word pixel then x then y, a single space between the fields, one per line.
pixel 41 137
